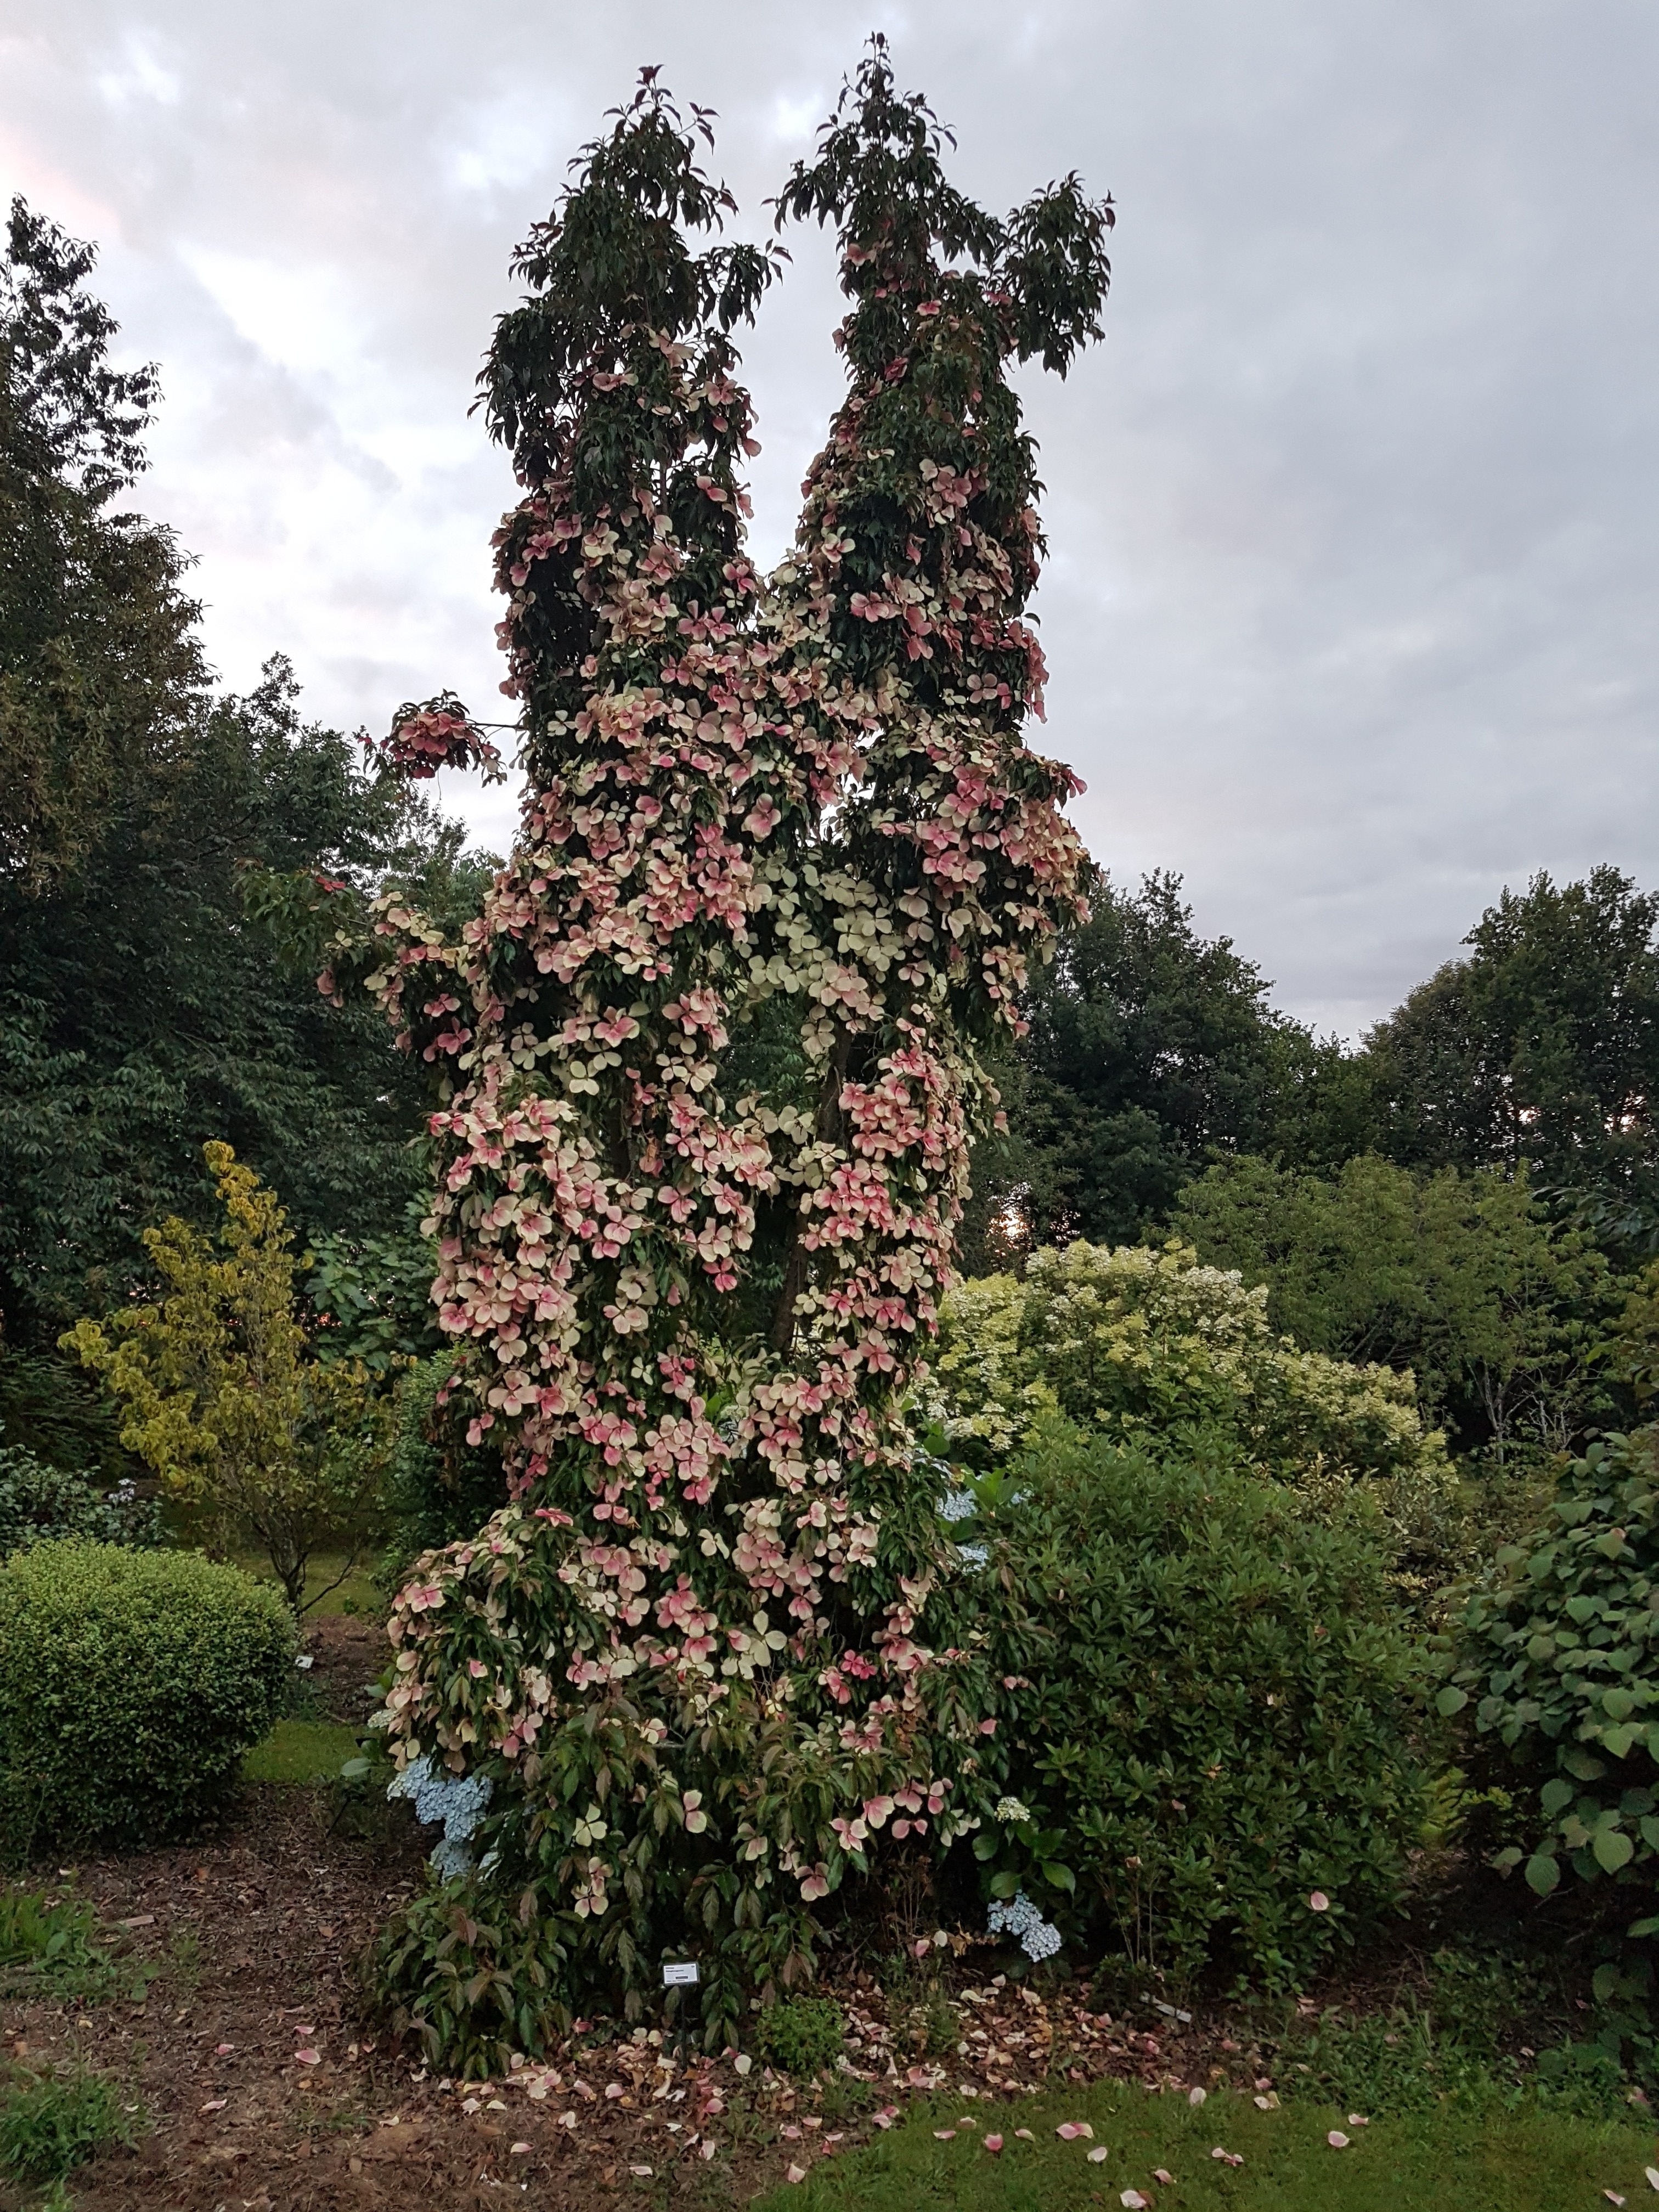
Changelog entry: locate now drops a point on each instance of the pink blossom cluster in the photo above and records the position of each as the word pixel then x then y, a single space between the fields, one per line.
pixel 719 1544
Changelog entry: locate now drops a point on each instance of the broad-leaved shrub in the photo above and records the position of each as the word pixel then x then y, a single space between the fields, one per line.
pixel 130 1685
pixel 1142 1346
pixel 1207 1724
pixel 38 1501
pixel 1558 1653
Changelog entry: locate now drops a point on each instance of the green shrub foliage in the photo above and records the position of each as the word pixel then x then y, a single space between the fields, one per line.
pixel 1205 1744
pixel 1144 1347
pixel 130 1685
pixel 440 1487
pixel 38 1502
pixel 803 2035
pixel 1134 1342
pixel 1558 1654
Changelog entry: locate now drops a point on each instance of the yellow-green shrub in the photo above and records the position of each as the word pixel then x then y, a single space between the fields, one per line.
pixel 130 1685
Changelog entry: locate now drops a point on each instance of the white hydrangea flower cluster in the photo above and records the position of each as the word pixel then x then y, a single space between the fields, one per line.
pixel 1038 1938
pixel 1009 1808
pixel 957 1505
pixel 458 1800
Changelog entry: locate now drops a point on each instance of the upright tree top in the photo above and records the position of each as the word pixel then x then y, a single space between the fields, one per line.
pixel 878 176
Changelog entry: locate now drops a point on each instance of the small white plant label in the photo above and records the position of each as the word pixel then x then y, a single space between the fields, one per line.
pixel 679 1973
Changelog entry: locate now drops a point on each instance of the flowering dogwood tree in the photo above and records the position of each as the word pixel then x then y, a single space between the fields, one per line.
pixel 693 1653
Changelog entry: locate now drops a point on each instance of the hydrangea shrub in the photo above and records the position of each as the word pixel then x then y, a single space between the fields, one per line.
pixel 692 1653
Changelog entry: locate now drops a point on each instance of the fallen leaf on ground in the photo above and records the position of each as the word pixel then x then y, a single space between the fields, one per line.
pixel 214 2105
pixel 517 2150
pixel 1025 2134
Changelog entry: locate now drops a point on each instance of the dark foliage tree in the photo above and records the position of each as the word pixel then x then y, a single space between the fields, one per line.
pixel 1151 1051
pixel 1541 1047
pixel 140 1015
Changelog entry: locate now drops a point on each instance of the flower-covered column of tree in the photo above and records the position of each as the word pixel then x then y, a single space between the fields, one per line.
pixel 691 1654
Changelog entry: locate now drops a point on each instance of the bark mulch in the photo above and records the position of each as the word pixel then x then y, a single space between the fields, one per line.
pixel 266 2092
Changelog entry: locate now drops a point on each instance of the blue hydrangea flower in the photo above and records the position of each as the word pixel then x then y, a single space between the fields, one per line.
pixel 456 1801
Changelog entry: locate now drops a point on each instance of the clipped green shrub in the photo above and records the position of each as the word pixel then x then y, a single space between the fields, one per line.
pixel 1204 1742
pixel 130 1685
pixel 1558 1653
pixel 38 1502
pixel 803 2035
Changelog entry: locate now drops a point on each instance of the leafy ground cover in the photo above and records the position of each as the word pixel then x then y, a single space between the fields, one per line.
pixel 1129 2148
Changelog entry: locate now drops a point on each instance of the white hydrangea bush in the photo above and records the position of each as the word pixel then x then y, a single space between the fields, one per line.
pixel 1136 1342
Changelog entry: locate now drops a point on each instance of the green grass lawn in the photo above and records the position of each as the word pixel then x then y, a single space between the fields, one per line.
pixel 300 1750
pixel 1441 2160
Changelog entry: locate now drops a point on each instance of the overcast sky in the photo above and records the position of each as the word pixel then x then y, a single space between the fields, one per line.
pixel 1354 518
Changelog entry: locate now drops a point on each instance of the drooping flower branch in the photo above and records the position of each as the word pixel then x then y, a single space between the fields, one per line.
pixel 692 1653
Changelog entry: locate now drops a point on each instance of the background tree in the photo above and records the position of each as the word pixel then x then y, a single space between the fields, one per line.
pixel 1541 1048
pixel 1499 1311
pixel 223 1399
pixel 99 667
pixel 140 1015
pixel 1150 1051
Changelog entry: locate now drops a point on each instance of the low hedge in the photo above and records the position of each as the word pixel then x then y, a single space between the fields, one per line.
pixel 130 1685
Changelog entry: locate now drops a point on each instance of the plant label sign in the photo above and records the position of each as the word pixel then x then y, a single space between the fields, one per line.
pixel 679 1974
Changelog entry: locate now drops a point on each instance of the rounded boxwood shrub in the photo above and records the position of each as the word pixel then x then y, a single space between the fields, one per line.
pixel 130 1685
pixel 1204 1745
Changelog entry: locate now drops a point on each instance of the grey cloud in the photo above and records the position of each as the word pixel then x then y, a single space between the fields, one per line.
pixel 1350 613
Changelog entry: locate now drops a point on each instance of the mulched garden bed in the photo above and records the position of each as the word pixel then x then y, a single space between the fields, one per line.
pixel 266 2092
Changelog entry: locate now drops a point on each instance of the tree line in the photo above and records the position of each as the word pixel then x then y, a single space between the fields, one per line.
pixel 1468 1192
